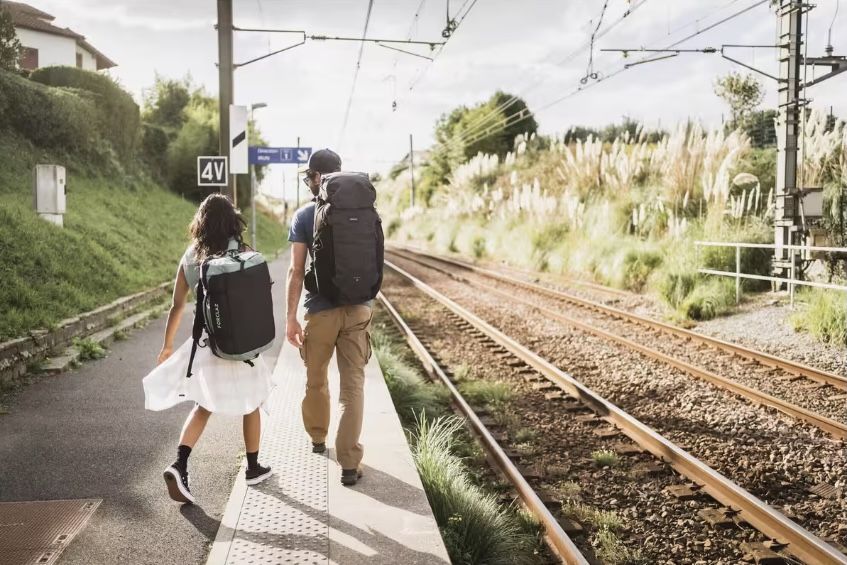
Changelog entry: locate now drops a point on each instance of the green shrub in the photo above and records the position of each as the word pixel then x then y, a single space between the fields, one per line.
pixel 89 349
pixel 638 265
pixel 51 118
pixel 117 114
pixel 675 286
pixel 713 298
pixel 392 228
pixel 479 250
pixel 824 315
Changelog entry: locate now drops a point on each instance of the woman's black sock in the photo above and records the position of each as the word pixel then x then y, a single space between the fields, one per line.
pixel 182 453
pixel 253 460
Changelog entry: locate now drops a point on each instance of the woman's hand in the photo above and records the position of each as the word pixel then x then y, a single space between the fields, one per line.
pixel 164 354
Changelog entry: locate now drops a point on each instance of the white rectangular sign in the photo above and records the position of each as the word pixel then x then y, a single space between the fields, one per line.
pixel 238 140
pixel 212 171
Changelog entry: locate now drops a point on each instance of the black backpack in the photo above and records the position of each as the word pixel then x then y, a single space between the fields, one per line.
pixel 234 306
pixel 348 248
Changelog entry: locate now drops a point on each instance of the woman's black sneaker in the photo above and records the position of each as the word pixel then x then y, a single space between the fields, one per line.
pixel 318 447
pixel 349 477
pixel 177 481
pixel 257 475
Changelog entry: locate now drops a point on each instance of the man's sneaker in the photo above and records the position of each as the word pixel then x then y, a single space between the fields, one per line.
pixel 349 477
pixel 177 481
pixel 319 447
pixel 257 475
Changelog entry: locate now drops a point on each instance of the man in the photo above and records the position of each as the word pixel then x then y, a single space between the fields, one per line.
pixel 343 329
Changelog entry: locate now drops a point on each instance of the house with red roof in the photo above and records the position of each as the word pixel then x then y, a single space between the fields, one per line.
pixel 46 44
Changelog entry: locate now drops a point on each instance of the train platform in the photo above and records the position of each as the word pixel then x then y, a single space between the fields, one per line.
pixel 303 514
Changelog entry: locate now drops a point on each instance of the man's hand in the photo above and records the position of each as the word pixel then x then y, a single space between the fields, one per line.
pixel 294 333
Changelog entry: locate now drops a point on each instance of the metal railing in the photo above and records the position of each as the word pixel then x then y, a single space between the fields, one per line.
pixel 792 281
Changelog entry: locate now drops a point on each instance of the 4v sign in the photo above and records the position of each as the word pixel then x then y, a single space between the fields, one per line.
pixel 212 171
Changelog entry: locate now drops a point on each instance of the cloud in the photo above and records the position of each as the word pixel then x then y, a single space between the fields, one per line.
pixel 153 16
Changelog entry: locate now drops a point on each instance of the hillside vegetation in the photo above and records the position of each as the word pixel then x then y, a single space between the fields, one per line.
pixel 123 231
pixel 625 210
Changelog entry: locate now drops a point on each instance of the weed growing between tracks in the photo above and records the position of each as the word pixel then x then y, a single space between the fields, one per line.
pixel 475 527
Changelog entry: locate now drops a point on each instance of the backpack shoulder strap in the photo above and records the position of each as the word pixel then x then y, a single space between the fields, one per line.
pixel 199 319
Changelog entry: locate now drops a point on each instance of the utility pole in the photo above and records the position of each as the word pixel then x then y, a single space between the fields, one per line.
pixel 297 175
pixel 787 221
pixel 225 84
pixel 412 167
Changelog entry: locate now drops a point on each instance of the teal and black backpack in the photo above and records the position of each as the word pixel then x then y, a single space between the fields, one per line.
pixel 234 305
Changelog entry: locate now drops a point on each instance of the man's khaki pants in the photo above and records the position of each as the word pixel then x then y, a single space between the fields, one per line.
pixel 345 329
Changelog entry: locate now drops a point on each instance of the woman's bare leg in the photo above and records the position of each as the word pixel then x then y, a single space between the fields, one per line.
pixel 194 426
pixel 252 425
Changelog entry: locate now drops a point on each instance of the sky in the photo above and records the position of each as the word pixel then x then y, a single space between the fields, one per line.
pixel 537 49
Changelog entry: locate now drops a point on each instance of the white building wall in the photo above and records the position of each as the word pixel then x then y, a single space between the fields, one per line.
pixel 52 49
pixel 89 63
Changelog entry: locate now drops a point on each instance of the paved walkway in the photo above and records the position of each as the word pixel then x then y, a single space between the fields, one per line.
pixel 304 515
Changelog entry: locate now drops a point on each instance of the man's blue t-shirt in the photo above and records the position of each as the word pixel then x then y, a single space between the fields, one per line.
pixel 302 230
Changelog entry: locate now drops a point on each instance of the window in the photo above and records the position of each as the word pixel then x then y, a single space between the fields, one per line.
pixel 29 58
pixel 79 60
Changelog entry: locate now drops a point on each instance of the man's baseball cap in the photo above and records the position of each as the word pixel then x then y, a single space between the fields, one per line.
pixel 323 161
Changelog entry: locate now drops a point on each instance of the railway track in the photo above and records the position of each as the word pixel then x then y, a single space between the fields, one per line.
pixel 738 504
pixel 765 380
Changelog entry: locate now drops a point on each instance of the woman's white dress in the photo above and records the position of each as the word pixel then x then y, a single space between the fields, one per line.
pixel 218 385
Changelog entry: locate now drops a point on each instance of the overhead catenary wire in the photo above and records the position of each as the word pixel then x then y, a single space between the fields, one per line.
pixel 459 20
pixel 483 121
pixel 519 116
pixel 356 73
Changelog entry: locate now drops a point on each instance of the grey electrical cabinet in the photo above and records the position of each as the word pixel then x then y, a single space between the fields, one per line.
pixel 48 192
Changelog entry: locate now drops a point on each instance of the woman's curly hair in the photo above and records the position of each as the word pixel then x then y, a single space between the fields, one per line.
pixel 215 223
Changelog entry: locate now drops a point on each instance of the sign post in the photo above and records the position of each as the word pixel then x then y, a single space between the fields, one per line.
pixel 279 155
pixel 212 170
pixel 238 145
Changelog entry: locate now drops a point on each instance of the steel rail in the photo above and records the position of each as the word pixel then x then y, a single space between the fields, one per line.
pixel 828 425
pixel 799 542
pixel 555 535
pixel 761 357
pixel 527 272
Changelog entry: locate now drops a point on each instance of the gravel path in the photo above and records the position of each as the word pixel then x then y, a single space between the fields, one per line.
pixel 771 455
pixel 657 528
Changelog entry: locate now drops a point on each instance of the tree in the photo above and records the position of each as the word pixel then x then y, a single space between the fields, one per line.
pixel 742 92
pixel 10 46
pixel 165 103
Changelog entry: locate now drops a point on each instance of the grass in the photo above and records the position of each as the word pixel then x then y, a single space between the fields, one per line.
pixel 475 527
pixel 120 335
pixel 612 551
pixel 410 392
pixel 600 519
pixel 123 234
pixel 824 315
pixel 569 489
pixel 605 458
pixel 89 350
pixel 485 393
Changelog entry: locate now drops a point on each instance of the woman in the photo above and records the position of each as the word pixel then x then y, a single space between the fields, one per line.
pixel 216 385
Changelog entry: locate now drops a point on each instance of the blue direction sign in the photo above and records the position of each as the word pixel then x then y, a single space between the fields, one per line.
pixel 279 155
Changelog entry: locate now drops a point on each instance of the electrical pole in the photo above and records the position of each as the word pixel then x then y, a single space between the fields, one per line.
pixel 297 174
pixel 412 167
pixel 787 221
pixel 225 85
